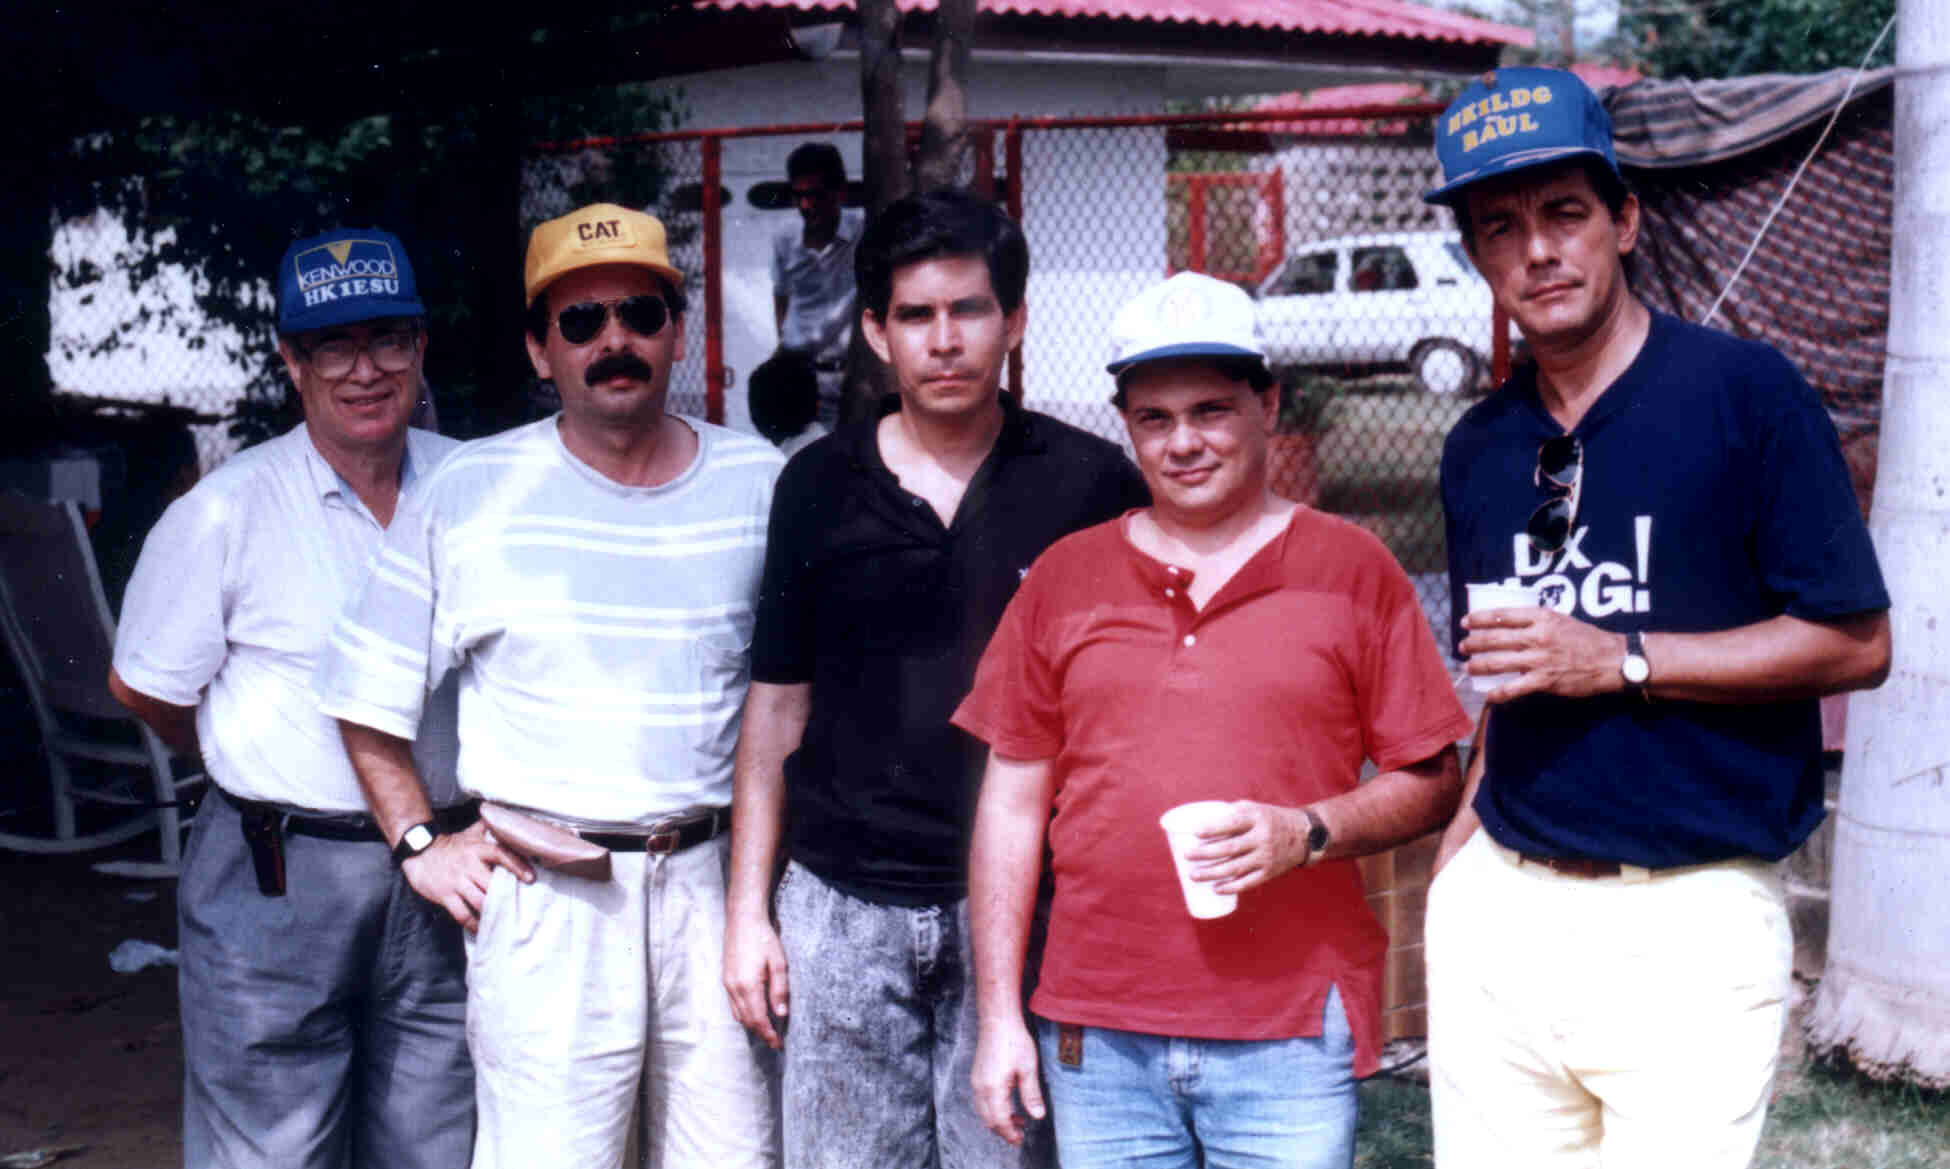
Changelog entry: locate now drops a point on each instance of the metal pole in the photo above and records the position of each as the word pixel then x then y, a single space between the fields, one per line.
pixel 714 370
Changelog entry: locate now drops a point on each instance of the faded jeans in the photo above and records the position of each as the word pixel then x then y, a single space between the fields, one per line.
pixel 1166 1102
pixel 881 1037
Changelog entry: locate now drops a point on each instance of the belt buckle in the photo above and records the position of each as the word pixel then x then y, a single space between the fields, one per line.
pixel 661 842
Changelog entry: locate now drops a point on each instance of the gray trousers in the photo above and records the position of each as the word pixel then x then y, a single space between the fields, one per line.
pixel 325 1029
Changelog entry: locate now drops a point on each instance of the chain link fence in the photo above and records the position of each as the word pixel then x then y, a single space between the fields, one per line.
pixel 1376 324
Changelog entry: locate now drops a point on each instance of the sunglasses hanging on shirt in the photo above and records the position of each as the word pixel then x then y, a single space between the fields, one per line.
pixel 1560 470
pixel 643 315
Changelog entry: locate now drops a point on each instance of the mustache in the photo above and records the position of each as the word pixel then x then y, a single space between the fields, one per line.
pixel 611 365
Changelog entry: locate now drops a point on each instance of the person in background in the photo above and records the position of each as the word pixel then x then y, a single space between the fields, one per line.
pixel 784 398
pixel 323 1008
pixel 813 300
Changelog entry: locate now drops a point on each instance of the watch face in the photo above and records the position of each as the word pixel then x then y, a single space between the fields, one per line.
pixel 418 837
pixel 1637 670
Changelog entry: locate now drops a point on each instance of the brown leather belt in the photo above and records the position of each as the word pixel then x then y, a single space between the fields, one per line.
pixel 670 836
pixel 1574 866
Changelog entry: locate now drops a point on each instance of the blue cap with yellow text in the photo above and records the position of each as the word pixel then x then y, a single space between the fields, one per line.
pixel 1512 119
pixel 345 276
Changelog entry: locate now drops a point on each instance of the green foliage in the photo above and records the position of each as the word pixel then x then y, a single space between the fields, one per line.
pixel 1738 38
pixel 222 194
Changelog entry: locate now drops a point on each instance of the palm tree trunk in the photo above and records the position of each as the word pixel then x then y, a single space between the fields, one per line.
pixel 1885 998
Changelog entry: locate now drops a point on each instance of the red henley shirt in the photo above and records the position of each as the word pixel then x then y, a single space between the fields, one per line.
pixel 1313 657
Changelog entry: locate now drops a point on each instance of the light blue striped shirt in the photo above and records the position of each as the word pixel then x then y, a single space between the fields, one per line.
pixel 601 632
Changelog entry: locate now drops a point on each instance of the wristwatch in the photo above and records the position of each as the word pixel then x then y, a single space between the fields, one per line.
pixel 1636 669
pixel 414 841
pixel 1317 835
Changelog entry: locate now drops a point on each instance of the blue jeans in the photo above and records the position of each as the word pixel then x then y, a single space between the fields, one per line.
pixel 881 1037
pixel 1162 1102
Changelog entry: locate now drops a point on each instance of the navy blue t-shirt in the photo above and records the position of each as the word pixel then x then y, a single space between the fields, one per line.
pixel 1714 496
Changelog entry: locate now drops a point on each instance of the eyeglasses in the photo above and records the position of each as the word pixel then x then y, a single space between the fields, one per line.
pixel 643 314
pixel 391 352
pixel 1560 469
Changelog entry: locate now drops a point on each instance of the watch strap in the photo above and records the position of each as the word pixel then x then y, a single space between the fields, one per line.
pixel 415 840
pixel 1317 834
pixel 1635 648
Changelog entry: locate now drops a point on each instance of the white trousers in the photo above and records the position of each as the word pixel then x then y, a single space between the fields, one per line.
pixel 590 1004
pixel 1629 1022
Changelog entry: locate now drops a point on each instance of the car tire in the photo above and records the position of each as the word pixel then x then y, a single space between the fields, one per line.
pixel 1442 366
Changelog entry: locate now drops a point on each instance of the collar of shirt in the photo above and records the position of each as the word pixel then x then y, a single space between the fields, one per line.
pixel 852 226
pixel 329 483
pixel 861 441
pixel 1262 572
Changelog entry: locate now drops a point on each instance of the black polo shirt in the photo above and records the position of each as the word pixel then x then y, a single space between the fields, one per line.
pixel 867 596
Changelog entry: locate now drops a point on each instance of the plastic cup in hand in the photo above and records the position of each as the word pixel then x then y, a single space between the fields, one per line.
pixel 1498 596
pixel 1182 825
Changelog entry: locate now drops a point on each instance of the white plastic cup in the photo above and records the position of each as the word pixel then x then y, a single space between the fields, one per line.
pixel 1182 825
pixel 1496 595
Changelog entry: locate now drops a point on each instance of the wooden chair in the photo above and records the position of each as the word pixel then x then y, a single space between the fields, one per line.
pixel 55 618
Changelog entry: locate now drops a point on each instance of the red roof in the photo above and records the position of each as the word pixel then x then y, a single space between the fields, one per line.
pixel 1340 97
pixel 1369 18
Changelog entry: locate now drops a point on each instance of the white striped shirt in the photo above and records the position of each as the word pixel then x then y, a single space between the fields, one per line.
pixel 601 632
pixel 237 590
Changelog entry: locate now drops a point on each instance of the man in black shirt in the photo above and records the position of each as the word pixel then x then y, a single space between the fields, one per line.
pixel 894 546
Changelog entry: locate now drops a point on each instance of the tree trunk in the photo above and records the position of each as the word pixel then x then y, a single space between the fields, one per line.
pixel 1885 998
pixel 884 145
pixel 944 131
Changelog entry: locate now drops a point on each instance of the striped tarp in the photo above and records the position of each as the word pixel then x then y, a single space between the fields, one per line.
pixel 1710 159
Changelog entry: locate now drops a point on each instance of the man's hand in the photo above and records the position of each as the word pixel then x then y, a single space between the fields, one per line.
pixel 1554 654
pixel 755 976
pixel 1005 1070
pixel 1260 842
pixel 454 871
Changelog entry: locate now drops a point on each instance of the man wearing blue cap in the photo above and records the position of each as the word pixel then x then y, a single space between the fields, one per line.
pixel 1222 653
pixel 1608 958
pixel 323 1004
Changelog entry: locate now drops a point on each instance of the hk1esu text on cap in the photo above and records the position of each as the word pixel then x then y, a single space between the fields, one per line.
pixel 343 277
pixel 601 233
pixel 1189 315
pixel 1517 118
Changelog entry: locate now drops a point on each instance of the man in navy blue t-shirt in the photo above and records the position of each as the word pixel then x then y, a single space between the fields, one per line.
pixel 1608 959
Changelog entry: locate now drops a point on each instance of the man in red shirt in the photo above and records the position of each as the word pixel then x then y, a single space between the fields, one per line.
pixel 1222 644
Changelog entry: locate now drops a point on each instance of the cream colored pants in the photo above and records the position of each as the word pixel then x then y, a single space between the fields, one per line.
pixel 1629 1022
pixel 590 1004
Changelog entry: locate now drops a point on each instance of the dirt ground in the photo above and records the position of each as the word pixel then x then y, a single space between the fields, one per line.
pixel 87 1056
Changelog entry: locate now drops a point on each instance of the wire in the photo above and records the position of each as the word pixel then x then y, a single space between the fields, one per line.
pixel 1802 169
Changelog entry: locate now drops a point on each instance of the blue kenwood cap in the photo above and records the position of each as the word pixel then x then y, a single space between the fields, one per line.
pixel 1516 118
pixel 345 276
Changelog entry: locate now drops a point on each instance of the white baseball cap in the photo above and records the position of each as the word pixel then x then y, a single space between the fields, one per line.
pixel 1189 315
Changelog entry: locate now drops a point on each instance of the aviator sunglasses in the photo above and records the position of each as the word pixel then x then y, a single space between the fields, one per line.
pixel 643 314
pixel 1560 470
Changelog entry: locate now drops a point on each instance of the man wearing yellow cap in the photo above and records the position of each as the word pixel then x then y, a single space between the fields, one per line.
pixel 592 578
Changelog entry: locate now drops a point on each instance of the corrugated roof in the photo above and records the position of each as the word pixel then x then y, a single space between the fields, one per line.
pixel 1369 18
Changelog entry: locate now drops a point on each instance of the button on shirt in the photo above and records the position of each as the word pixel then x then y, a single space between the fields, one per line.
pixel 235 595
pixel 885 611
